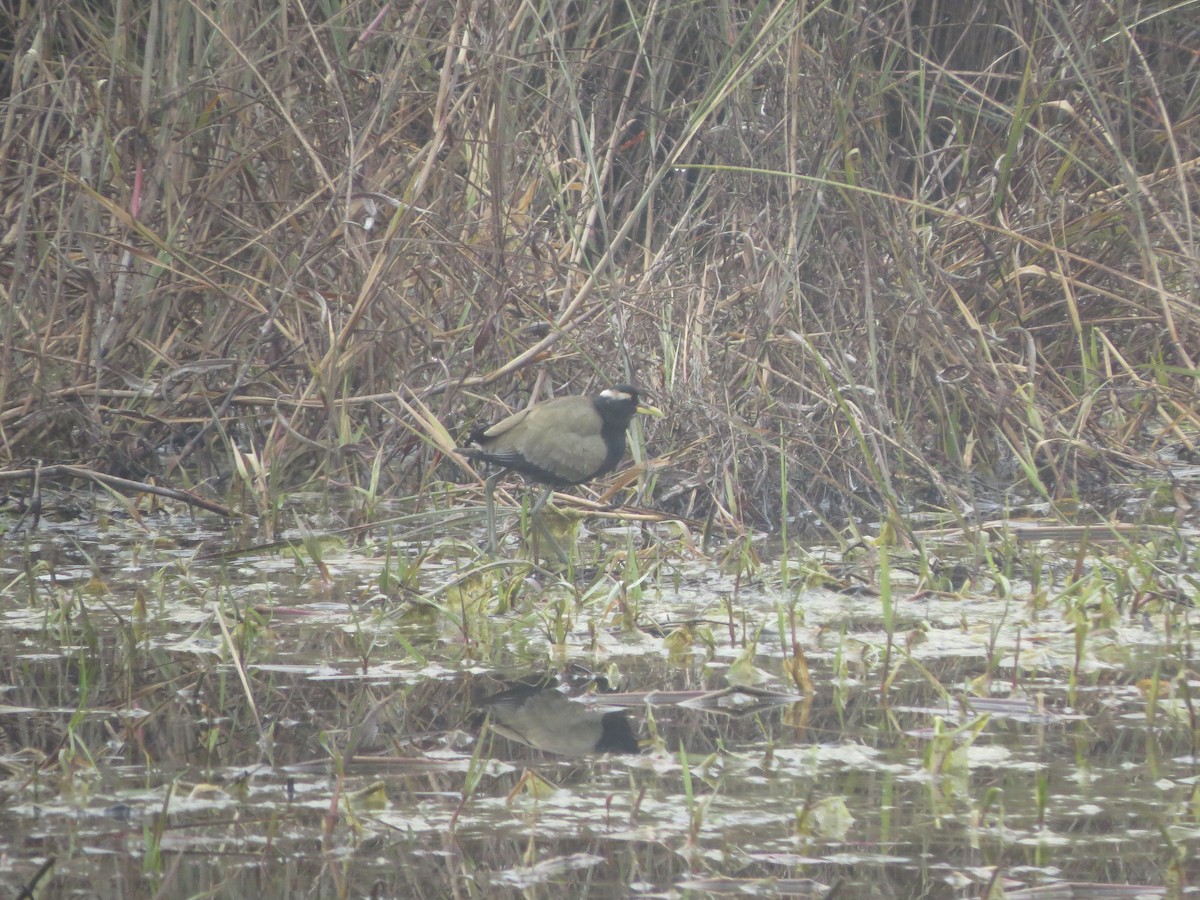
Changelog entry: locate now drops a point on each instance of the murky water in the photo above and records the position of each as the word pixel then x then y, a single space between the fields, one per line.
pixel 274 725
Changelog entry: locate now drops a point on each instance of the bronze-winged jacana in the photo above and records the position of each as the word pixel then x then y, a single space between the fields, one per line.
pixel 558 443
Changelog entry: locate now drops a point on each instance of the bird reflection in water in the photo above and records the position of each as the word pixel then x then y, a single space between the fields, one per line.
pixel 547 719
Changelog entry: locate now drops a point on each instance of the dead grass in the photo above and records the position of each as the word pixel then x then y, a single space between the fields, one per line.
pixel 864 259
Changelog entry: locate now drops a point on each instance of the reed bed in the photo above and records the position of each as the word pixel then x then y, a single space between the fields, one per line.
pixel 866 256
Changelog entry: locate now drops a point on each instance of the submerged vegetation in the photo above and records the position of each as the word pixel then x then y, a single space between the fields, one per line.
pixel 897 597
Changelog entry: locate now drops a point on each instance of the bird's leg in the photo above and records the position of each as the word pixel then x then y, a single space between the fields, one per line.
pixel 490 490
pixel 537 507
pixel 554 545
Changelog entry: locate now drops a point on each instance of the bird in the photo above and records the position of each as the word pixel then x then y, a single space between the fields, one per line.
pixel 547 719
pixel 558 443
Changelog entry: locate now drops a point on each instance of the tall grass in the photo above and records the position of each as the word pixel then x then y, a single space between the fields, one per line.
pixel 866 256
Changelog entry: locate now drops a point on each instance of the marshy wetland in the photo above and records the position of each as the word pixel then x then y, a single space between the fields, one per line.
pixel 896 598
pixel 307 719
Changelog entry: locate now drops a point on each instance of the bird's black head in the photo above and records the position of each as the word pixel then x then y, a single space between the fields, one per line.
pixel 617 405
